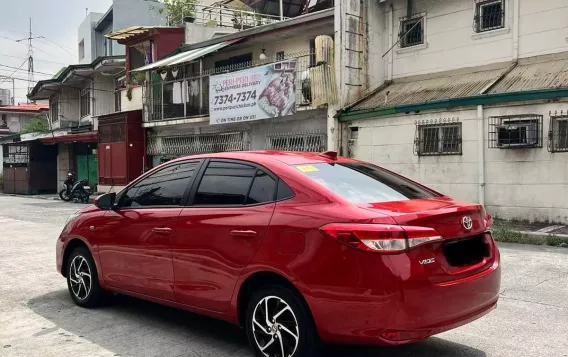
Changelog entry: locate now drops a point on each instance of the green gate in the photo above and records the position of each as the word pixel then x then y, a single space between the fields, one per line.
pixel 87 169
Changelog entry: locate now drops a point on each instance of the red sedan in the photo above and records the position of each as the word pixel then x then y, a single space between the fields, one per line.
pixel 297 248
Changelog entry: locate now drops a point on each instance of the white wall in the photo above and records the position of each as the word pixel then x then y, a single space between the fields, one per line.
pixel 135 103
pixel 525 184
pixel 86 33
pixel 532 28
pixel 103 95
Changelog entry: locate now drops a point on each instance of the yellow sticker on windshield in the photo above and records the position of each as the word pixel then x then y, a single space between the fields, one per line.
pixel 307 168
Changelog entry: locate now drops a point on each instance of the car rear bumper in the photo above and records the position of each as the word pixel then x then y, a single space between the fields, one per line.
pixel 415 310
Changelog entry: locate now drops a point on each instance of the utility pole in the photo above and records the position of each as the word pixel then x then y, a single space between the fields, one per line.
pixel 30 60
pixel 13 91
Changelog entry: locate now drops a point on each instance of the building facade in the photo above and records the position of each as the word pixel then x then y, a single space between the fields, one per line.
pixel 469 97
pixel 264 87
pixel 122 14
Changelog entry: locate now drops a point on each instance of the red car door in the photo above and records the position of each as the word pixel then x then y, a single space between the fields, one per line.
pixel 218 233
pixel 135 243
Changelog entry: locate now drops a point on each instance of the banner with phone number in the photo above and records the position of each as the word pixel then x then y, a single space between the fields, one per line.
pixel 257 93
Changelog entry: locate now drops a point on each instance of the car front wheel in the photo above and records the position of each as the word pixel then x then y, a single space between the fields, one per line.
pixel 279 324
pixel 82 278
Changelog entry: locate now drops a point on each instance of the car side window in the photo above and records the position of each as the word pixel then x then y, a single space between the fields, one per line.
pixel 284 192
pixel 262 189
pixel 163 188
pixel 224 183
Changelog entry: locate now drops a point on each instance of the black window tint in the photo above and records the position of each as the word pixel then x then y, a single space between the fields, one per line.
pixel 284 192
pixel 163 188
pixel 224 183
pixel 262 189
pixel 360 183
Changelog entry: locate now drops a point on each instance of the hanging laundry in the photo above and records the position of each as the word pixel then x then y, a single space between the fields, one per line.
pixel 176 93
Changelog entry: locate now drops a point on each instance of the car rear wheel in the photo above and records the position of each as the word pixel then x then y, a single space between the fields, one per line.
pixel 279 324
pixel 82 278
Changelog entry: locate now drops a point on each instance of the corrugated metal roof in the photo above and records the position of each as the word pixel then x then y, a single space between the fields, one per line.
pixel 544 72
pixel 444 85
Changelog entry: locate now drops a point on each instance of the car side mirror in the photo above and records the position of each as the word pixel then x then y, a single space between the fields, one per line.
pixel 106 201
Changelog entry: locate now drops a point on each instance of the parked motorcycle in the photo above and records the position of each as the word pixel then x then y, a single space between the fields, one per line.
pixel 77 191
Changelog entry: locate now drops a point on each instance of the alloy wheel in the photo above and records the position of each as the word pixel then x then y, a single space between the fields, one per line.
pixel 80 277
pixel 275 327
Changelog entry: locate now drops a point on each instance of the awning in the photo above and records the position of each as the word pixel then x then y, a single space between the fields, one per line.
pixel 184 56
pixel 88 137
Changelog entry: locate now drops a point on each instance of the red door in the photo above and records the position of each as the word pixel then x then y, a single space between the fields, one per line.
pixel 135 241
pixel 218 235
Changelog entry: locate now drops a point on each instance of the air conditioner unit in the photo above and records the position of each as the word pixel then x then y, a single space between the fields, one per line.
pixel 517 134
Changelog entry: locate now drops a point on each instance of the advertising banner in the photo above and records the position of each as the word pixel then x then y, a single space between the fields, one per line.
pixel 261 92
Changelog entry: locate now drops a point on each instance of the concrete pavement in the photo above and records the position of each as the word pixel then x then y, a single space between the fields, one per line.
pixel 38 318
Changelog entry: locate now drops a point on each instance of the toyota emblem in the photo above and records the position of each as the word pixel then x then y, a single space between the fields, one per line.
pixel 467 222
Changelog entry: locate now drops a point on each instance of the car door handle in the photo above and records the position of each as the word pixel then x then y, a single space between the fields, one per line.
pixel 243 234
pixel 162 230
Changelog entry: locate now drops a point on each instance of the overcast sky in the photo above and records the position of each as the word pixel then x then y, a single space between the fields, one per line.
pixel 57 20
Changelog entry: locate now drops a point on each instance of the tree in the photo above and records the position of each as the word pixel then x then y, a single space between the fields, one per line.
pixel 37 125
pixel 176 10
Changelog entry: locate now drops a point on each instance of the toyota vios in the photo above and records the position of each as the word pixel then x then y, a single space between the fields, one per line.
pixel 297 248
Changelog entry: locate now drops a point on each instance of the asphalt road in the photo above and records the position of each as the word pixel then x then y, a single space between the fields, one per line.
pixel 38 318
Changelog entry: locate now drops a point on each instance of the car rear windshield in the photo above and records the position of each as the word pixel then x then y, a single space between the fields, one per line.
pixel 361 183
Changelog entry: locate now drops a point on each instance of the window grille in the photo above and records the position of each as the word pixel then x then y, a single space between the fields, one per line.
pixel 298 141
pixel 489 15
pixel 16 154
pixel 558 132
pixel 54 109
pixel 412 30
pixel 183 144
pixel 438 137
pixel 85 102
pixel 515 131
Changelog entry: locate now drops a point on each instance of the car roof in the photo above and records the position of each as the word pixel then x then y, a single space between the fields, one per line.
pixel 264 156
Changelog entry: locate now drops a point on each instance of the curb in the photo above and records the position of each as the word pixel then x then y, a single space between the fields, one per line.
pixel 91 199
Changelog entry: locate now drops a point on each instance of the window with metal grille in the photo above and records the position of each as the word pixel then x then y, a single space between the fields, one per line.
pixel 310 142
pixel 411 31
pixel 489 15
pixel 85 102
pixel 3 121
pixel 54 109
pixel 436 138
pixel 515 131
pixel 558 134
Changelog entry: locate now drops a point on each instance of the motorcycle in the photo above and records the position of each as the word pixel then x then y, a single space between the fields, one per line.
pixel 77 191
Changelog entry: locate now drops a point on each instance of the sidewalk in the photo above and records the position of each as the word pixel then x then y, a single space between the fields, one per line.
pixel 53 197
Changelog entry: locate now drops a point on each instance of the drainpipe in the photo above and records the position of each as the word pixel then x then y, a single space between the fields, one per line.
pixel 516 18
pixel 480 155
pixel 391 42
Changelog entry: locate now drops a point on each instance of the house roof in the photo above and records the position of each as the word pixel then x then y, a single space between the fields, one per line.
pixel 26 108
pixel 455 84
pixel 536 78
pixel 266 29
pixel 76 70
pixel 125 35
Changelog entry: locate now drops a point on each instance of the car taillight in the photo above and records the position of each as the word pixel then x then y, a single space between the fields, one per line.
pixel 386 238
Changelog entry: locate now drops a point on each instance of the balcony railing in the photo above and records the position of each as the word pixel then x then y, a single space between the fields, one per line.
pixel 224 16
pixel 180 93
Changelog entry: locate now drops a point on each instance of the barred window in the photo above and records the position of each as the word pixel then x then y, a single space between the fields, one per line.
pixel 54 109
pixel 412 31
pixel 310 142
pixel 515 131
pixel 558 134
pixel 489 15
pixel 438 139
pixel 85 102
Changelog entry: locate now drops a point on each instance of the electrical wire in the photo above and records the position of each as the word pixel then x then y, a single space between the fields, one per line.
pixel 23 63
pixel 35 60
pixel 3 65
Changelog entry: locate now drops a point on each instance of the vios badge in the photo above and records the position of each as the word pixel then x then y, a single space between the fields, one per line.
pixel 467 222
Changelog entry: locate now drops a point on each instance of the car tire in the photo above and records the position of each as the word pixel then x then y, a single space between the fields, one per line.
pixel 82 279
pixel 290 326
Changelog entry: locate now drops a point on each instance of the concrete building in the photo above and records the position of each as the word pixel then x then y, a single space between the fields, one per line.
pixel 92 42
pixel 467 96
pixel 13 119
pixel 215 96
pixel 77 96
